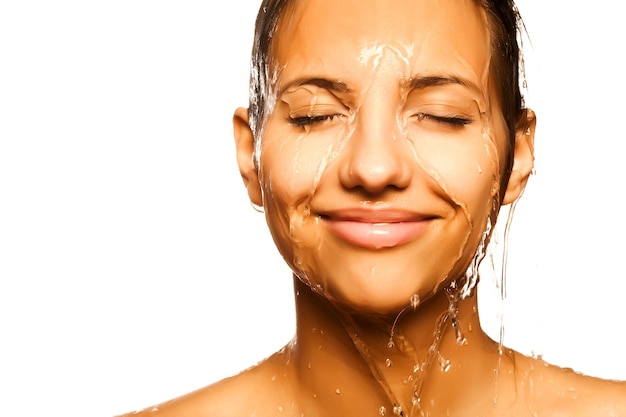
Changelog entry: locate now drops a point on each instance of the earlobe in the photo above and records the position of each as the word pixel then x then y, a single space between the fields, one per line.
pixel 523 157
pixel 244 143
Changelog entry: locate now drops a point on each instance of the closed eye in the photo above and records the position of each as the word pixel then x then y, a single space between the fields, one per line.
pixel 453 121
pixel 301 121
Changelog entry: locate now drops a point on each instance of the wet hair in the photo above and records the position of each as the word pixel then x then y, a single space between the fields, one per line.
pixel 505 26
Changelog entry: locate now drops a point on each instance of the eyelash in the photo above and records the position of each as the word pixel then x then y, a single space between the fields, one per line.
pixel 301 121
pixel 453 121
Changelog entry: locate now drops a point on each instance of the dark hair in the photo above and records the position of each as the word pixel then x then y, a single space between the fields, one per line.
pixel 504 27
pixel 260 65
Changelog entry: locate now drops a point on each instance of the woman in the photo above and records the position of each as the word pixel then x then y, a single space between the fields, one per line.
pixel 381 143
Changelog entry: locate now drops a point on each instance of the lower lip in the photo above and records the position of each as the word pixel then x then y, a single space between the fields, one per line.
pixel 377 235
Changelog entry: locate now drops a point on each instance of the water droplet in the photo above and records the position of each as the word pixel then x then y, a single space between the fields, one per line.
pixel 382 411
pixel 308 365
pixel 314 396
pixel 258 208
pixel 337 391
pixel 280 409
pixel 388 362
pixel 414 301
pixel 444 364
pixel 273 378
pixel 460 339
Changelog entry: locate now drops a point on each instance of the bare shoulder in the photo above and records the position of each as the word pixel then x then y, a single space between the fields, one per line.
pixel 253 392
pixel 555 391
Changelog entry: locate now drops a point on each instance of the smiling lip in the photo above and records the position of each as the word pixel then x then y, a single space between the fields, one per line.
pixel 376 229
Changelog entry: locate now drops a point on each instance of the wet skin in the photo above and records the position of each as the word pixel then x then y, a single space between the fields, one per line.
pixel 379 170
pixel 380 149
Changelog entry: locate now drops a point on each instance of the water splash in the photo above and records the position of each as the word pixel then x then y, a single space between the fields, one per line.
pixel 502 287
pixel 471 274
pixel 398 411
pixel 444 364
pixel 414 301
pixel 454 298
pixel 505 255
pixel 420 369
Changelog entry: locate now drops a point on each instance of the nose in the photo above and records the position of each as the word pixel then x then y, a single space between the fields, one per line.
pixel 377 157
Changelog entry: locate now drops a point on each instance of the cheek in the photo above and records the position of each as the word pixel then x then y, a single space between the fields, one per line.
pixel 291 166
pixel 292 162
pixel 465 167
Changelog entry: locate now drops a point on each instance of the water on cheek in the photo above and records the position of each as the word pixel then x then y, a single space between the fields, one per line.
pixel 310 162
pixel 449 162
pixel 489 165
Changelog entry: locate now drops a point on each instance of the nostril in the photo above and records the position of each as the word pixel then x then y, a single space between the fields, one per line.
pixel 374 161
pixel 374 178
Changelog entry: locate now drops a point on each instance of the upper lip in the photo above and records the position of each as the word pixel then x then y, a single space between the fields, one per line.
pixel 374 215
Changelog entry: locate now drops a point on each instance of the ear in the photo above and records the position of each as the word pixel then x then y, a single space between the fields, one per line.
pixel 244 143
pixel 523 157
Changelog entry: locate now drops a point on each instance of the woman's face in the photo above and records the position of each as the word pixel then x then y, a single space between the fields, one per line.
pixel 381 157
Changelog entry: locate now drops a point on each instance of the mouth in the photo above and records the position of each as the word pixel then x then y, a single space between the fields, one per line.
pixel 376 229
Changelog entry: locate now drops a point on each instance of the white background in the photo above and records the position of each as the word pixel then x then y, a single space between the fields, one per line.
pixel 132 267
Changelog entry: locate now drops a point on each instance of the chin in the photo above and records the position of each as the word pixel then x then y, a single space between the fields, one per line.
pixel 375 308
pixel 385 298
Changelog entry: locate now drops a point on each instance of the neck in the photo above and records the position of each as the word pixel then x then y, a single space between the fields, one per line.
pixel 346 361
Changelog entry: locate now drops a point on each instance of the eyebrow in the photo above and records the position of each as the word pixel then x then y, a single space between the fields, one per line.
pixel 413 83
pixel 421 82
pixel 333 86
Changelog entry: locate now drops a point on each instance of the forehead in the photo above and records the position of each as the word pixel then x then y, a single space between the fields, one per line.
pixel 349 37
